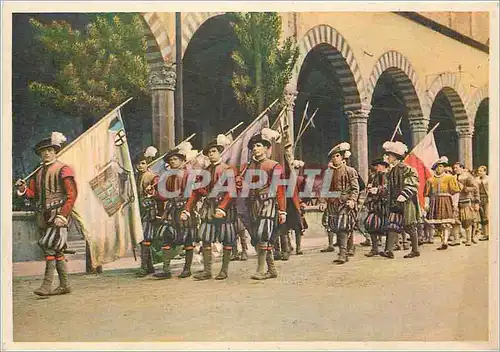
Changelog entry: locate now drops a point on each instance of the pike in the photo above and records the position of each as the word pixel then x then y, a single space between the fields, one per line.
pixel 81 136
pixel 305 128
pixel 396 129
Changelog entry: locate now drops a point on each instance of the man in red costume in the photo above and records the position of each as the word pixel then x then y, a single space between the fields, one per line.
pixel 55 191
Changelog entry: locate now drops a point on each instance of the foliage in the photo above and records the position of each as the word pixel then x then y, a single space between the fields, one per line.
pixel 263 64
pixel 96 69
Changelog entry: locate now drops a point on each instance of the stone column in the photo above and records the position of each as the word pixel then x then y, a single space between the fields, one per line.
pixel 465 146
pixel 358 133
pixel 162 83
pixel 419 128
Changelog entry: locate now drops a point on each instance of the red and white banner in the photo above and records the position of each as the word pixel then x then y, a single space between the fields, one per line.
pixel 421 158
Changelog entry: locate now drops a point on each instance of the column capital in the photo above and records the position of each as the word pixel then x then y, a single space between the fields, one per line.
pixel 162 78
pixel 464 132
pixel 358 116
pixel 418 123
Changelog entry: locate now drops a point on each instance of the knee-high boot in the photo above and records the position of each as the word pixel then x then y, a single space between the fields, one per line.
pixel 392 237
pixel 206 274
pixel 63 277
pixel 244 247
pixel 342 239
pixel 48 278
pixel 261 262
pixel 186 272
pixel 330 247
pixel 226 257
pixel 168 254
pixel 272 272
pixel 285 252
pixel 298 243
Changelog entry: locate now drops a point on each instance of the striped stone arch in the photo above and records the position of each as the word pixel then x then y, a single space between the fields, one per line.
pixel 401 70
pixel 160 47
pixel 342 59
pixel 450 84
pixel 190 24
pixel 475 101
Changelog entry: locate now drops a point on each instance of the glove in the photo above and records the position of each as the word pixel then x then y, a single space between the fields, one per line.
pixel 185 215
pixel 282 218
pixel 219 213
pixel 322 207
pixel 21 185
pixel 351 204
pixel 401 198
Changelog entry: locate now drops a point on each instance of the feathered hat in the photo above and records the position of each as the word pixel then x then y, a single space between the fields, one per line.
pixel 297 164
pixel 397 148
pixel 55 141
pixel 266 137
pixel 343 147
pixel 441 161
pixel 221 143
pixel 148 155
pixel 182 151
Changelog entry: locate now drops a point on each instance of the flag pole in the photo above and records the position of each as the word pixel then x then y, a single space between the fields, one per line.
pixel 304 130
pixel 396 129
pixel 94 126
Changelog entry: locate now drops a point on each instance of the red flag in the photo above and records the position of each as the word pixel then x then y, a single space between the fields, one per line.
pixel 422 157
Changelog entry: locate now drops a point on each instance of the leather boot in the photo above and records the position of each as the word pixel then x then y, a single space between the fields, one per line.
pixel 468 236
pixel 298 243
pixel 206 274
pixel 48 278
pixel 290 247
pixel 261 262
pixel 226 257
pixel 330 247
pixel 392 237
pixel 63 278
pixel 168 254
pixel 350 245
pixel 146 261
pixel 272 272
pixel 374 244
pixel 234 254
pixel 414 244
pixel 285 252
pixel 186 272
pixel 244 248
pixel 342 239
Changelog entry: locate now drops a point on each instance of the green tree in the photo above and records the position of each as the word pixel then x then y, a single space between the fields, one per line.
pixel 263 64
pixel 95 69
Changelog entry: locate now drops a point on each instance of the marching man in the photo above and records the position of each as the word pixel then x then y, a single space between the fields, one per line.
pixel 54 187
pixel 147 187
pixel 267 203
pixel 404 211
pixel 341 208
pixel 218 212
pixel 174 231
pixel 376 203
pixel 468 203
pixel 482 181
pixel 439 206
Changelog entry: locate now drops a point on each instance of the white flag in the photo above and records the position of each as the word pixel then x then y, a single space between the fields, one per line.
pixel 107 205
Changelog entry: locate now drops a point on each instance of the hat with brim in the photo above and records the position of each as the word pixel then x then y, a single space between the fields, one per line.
pixel 55 141
pixel 380 161
pixel 174 152
pixel 266 137
pixel 221 143
pixel 441 161
pixel 44 144
pixel 343 148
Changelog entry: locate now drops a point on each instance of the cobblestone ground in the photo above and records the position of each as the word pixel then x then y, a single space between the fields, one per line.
pixel 440 296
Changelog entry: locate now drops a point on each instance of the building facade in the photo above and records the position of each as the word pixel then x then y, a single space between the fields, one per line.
pixel 434 65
